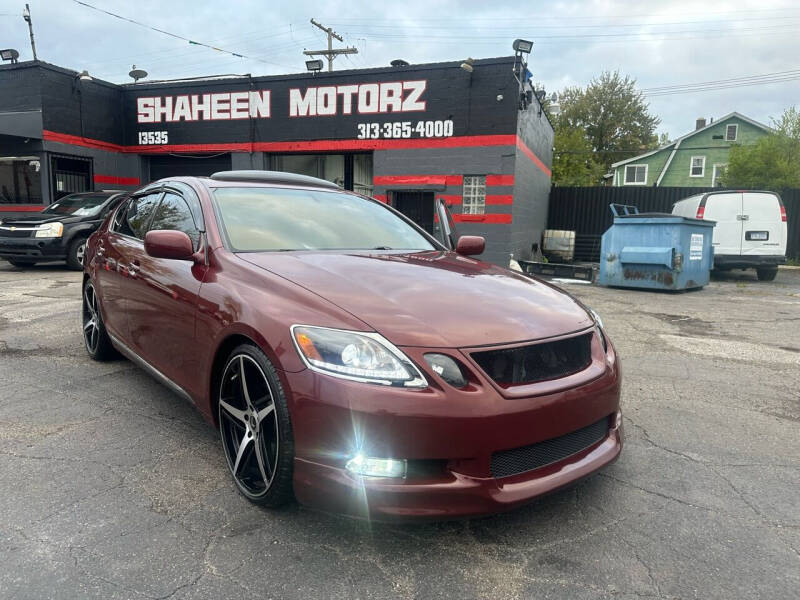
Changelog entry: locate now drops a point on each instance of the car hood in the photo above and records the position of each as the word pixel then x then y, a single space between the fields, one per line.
pixel 433 299
pixel 39 218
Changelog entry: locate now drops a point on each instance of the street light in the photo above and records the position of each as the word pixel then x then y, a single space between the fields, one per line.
pixel 314 66
pixel 9 54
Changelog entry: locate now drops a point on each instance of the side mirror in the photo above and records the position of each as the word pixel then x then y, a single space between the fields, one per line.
pixel 470 245
pixel 162 243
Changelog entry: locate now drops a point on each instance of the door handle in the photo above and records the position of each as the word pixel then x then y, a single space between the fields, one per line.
pixel 743 217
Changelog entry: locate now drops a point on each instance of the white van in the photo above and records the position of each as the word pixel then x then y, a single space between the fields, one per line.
pixel 750 230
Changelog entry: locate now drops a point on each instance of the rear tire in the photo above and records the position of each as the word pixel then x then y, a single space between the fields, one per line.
pixel 20 264
pixel 767 274
pixel 255 428
pixel 75 254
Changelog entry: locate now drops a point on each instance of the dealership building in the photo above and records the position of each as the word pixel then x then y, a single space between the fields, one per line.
pixel 476 137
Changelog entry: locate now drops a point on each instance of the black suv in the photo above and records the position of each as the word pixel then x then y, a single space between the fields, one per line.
pixel 59 232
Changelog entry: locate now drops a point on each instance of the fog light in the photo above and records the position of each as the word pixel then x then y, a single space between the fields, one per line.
pixel 376 467
pixel 446 368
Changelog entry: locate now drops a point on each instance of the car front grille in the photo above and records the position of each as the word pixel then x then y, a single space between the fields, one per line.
pixel 7 232
pixel 528 458
pixel 536 362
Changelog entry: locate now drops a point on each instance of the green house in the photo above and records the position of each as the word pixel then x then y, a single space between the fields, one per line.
pixel 696 159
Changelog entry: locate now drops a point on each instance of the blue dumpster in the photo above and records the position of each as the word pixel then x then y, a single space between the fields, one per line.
pixel 656 250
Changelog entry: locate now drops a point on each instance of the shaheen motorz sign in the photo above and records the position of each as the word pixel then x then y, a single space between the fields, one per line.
pixel 436 101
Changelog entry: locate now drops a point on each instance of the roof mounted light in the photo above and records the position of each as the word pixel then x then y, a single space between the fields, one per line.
pixel 314 65
pixel 522 46
pixel 9 54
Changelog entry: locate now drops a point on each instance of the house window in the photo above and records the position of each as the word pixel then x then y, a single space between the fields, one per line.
pixel 635 174
pixel 474 197
pixel 730 133
pixel 698 168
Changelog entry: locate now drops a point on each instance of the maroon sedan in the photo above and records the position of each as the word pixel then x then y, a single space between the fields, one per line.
pixel 349 358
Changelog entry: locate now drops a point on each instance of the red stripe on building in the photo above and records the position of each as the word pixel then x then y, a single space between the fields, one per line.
pixel 499 219
pixel 114 180
pixel 499 180
pixel 381 198
pixel 529 153
pixel 21 207
pixel 465 141
pixel 499 199
pixel 392 180
pixel 451 198
pixel 75 140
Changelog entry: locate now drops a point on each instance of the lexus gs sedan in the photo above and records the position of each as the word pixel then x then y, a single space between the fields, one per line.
pixel 348 358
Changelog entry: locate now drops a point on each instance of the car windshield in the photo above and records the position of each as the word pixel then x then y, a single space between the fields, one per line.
pixel 264 219
pixel 76 206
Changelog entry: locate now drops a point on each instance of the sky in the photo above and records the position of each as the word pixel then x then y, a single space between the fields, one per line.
pixel 667 43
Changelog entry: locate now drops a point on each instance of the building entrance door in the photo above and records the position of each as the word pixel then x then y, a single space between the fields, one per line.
pixel 417 206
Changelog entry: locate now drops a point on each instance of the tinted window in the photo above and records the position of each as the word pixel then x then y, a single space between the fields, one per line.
pixel 77 205
pixel 173 213
pixel 287 219
pixel 137 215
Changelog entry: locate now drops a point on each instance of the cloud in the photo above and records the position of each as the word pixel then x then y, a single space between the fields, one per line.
pixel 672 42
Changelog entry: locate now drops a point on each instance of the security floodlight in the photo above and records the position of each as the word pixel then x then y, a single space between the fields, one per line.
pixel 467 65
pixel 84 76
pixel 522 46
pixel 9 54
pixel 314 65
pixel 399 62
pixel 137 74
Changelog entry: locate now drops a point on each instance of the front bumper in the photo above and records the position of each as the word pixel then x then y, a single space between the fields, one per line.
pixel 33 248
pixel 451 433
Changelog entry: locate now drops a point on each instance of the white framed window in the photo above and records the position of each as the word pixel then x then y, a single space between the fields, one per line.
pixel 635 174
pixel 731 131
pixel 698 166
pixel 716 173
pixel 474 195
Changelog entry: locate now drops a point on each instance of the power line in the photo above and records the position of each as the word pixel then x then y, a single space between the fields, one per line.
pixel 175 35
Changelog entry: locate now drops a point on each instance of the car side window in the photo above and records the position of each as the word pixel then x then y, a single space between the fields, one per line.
pixel 119 216
pixel 173 214
pixel 137 215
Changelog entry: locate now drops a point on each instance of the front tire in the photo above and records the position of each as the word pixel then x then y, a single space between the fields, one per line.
pixel 254 427
pixel 767 274
pixel 95 337
pixel 75 253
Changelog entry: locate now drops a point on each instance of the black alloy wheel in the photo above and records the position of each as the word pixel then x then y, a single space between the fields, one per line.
pixel 97 342
pixel 255 428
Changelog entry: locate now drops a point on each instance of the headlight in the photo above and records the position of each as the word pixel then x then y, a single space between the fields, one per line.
pixel 50 230
pixel 599 322
pixel 355 355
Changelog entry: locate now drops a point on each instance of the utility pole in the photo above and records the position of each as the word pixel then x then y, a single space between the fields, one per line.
pixel 26 14
pixel 330 53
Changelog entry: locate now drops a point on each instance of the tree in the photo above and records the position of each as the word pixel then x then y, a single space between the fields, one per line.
pixel 611 115
pixel 574 163
pixel 772 163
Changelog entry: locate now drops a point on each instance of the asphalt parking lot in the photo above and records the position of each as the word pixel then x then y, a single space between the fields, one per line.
pixel 112 487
